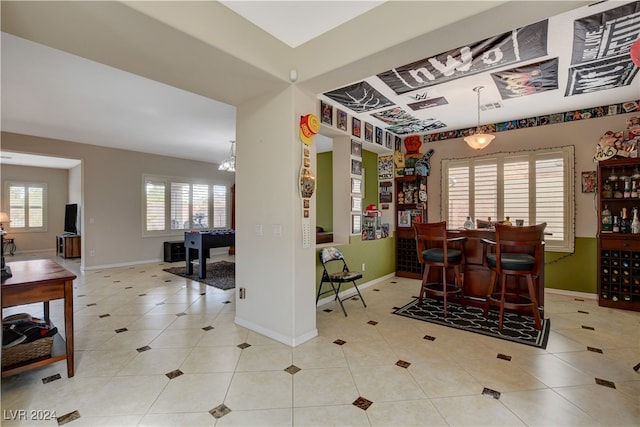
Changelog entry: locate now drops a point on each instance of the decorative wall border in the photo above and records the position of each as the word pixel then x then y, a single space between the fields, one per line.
pixel 547 119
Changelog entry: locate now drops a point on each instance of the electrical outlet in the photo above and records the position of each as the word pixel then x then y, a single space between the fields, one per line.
pixel 92 253
pixel 243 293
pixel 363 266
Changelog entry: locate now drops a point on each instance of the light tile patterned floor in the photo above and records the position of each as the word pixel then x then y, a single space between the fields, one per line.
pixel 183 362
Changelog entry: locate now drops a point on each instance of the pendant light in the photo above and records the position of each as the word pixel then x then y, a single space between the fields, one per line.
pixel 229 164
pixel 479 140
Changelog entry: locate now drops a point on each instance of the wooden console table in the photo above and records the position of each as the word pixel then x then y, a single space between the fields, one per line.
pixel 41 280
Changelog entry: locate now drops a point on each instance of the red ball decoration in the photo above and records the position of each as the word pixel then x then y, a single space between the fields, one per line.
pixel 635 52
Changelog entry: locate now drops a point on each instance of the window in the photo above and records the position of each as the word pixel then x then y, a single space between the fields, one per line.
pixel 27 206
pixel 533 186
pixel 219 206
pixel 190 205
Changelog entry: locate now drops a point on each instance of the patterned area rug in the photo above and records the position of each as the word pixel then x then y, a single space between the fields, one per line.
pixel 221 274
pixel 516 328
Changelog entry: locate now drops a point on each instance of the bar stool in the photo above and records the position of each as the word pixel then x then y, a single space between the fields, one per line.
pixel 433 247
pixel 521 254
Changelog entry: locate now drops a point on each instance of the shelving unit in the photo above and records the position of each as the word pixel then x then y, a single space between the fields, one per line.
pixel 618 253
pixel 68 246
pixel 175 251
pixel 411 206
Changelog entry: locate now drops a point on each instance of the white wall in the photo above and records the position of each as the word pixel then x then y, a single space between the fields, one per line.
pixel 277 272
pixel 111 210
pixel 58 195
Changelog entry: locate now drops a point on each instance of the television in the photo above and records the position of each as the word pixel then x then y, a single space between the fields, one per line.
pixel 71 218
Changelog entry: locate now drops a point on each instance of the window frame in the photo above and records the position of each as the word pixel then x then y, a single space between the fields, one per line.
pixel 566 153
pixel 167 181
pixel 45 208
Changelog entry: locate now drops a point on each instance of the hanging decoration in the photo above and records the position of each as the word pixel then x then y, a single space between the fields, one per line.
pixel 309 127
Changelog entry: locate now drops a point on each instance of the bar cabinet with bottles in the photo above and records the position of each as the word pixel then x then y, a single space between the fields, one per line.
pixel 619 233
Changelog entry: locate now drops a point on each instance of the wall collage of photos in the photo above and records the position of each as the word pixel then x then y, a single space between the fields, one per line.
pixel 363 134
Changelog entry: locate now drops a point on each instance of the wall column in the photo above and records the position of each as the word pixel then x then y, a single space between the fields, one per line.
pixel 271 264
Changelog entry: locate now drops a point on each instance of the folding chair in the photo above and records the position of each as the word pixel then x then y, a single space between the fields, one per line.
pixel 336 272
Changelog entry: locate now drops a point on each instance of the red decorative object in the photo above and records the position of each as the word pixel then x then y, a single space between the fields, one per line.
pixel 635 52
pixel 412 144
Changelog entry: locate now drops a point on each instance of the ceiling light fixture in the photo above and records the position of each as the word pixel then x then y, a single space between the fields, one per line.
pixel 479 140
pixel 229 164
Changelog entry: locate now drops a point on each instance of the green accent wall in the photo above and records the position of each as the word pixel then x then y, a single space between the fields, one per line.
pixel 370 166
pixel 573 272
pixel 377 255
pixel 324 191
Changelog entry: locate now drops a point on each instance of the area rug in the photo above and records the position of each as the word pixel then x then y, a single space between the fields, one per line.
pixel 516 328
pixel 220 274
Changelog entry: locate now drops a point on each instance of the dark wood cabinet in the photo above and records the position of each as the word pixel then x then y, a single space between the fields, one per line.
pixel 411 207
pixel 68 246
pixel 175 251
pixel 618 252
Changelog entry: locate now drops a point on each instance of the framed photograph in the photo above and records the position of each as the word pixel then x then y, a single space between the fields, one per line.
pixel 385 167
pixel 387 140
pixel 341 120
pixel 378 135
pixel 355 127
pixel 356 148
pixel 404 218
pixel 368 132
pixel 356 185
pixel 356 204
pixel 356 167
pixel 356 224
pixel 306 203
pixel 589 182
pixel 306 213
pixel 326 113
pixel 307 162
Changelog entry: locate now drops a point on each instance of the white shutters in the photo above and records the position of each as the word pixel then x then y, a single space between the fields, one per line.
pixel 27 206
pixel 533 186
pixel 172 205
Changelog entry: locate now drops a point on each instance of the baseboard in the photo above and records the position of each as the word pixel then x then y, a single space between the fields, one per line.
pixel 575 294
pixel 290 341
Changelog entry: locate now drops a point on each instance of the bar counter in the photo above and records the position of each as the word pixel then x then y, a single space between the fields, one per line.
pixel 477 273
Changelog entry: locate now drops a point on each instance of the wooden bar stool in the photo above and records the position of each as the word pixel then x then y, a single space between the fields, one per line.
pixel 434 249
pixel 520 251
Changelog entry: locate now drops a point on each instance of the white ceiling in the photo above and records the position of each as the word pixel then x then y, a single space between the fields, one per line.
pixel 52 93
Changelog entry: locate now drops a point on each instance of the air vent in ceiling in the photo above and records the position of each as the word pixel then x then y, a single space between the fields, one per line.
pixel 490 106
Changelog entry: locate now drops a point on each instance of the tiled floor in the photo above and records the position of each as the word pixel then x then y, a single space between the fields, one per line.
pixel 179 360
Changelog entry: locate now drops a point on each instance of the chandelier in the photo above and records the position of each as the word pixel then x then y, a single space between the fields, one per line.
pixel 229 164
pixel 479 140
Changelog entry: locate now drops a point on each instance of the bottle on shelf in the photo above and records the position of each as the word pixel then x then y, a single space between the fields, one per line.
pixel 635 223
pixel 627 189
pixel 615 225
pixel 634 190
pixel 617 193
pixel 607 223
pixel 507 222
pixel 607 190
pixel 624 221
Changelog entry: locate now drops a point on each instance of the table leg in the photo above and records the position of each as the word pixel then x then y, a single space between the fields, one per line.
pixel 68 325
pixel 202 268
pixel 45 306
pixel 187 257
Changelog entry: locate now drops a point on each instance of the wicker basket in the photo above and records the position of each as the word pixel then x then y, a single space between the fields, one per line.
pixel 27 351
